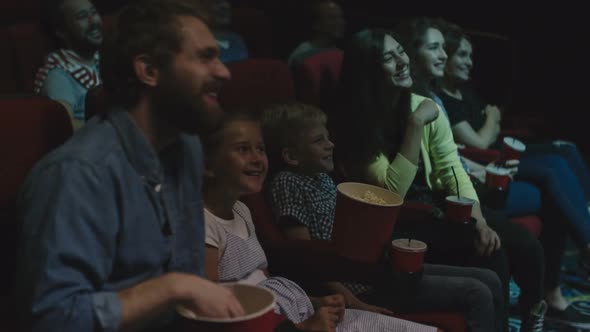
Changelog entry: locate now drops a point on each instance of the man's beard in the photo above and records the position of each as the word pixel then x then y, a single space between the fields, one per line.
pixel 83 45
pixel 184 110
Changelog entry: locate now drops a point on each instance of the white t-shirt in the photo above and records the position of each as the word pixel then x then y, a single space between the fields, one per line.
pixel 215 234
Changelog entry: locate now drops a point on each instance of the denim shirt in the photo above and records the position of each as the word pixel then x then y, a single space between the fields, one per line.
pixel 102 213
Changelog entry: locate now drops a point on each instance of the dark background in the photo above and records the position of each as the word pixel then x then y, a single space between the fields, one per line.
pixel 529 57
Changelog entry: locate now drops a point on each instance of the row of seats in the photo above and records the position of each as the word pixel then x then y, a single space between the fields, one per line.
pixel 25 47
pixel 259 83
pixel 24 50
pixel 40 125
pixel 30 127
pixel 256 84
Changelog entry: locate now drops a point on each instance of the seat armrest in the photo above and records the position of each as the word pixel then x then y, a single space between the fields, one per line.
pixel 482 156
pixel 318 261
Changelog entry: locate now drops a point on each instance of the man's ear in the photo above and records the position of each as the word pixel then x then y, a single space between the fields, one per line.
pixel 289 156
pixel 145 71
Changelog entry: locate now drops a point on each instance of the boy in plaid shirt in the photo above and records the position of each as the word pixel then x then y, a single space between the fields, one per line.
pixel 303 199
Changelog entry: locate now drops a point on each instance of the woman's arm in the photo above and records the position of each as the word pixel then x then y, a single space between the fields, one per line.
pixel 476 170
pixel 488 241
pixel 399 174
pixel 485 136
pixel 444 157
pixel 211 262
pixel 426 112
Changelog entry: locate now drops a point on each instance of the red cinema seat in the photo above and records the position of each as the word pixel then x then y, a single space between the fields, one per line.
pixel 295 258
pixel 256 84
pixel 29 129
pixel 255 27
pixel 316 77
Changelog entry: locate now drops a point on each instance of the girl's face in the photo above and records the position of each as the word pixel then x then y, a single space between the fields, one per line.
pixel 460 64
pixel 431 55
pixel 396 63
pixel 240 164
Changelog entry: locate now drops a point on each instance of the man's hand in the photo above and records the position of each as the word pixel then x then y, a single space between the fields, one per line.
pixel 206 298
pixel 487 241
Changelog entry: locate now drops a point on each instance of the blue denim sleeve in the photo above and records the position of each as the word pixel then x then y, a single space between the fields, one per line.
pixel 70 224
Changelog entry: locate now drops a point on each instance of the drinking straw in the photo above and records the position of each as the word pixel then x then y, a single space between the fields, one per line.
pixel 456 182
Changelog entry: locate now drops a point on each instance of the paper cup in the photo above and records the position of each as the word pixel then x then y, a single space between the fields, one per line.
pixel 459 209
pixel 497 177
pixel 362 226
pixel 512 149
pixel 258 303
pixel 407 255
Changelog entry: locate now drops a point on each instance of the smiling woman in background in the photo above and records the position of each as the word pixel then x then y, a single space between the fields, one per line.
pixel 396 139
pixel 563 191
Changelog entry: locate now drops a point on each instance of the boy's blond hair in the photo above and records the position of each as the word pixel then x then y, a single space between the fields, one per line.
pixel 284 124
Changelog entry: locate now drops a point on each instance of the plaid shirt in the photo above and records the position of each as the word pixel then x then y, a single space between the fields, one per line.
pixel 311 200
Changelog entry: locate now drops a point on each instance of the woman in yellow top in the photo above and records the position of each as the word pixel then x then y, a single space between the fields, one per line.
pixel 401 141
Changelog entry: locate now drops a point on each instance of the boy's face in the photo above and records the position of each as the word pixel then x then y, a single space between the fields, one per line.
pixel 241 161
pixel 315 150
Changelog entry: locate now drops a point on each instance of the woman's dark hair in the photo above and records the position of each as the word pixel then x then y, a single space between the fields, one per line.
pixel 373 112
pixel 411 33
pixel 453 36
pixel 149 27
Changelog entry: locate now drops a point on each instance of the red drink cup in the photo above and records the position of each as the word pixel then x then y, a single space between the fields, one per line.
pixel 407 255
pixel 512 149
pixel 362 228
pixel 258 303
pixel 497 177
pixel 459 209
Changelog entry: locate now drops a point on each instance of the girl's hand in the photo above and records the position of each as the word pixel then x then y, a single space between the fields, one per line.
pixel 335 301
pixel 325 319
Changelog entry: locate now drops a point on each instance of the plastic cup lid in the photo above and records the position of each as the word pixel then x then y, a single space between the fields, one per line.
pixel 462 200
pixel 497 170
pixel 514 144
pixel 408 245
